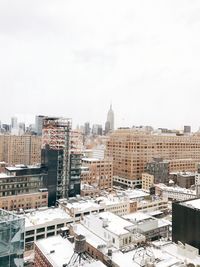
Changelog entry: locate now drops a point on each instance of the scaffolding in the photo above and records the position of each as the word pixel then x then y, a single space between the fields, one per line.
pixel 56 135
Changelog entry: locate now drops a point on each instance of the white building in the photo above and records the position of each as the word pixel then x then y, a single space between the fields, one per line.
pixel 78 207
pixel 112 229
pixel 43 223
pixel 57 251
pixel 175 193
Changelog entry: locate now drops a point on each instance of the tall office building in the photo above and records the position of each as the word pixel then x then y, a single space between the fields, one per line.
pixel 187 129
pixel 87 128
pixel 14 124
pixel 110 118
pixel 11 239
pixel 109 126
pixel 39 124
pixel 131 150
pixel 62 163
pixel 97 129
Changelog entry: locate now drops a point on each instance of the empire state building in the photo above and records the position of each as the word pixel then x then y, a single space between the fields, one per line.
pixel 110 121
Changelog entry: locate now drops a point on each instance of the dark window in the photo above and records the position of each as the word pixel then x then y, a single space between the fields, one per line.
pixel 50 234
pixel 52 227
pixel 39 237
pixel 60 225
pixel 29 239
pixel 40 230
pixel 31 232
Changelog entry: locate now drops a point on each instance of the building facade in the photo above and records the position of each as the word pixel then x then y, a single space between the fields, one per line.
pixel 21 179
pixel 98 172
pixel 39 124
pixel 24 149
pixel 147 181
pixel 131 150
pixel 159 169
pixel 24 201
pixel 61 161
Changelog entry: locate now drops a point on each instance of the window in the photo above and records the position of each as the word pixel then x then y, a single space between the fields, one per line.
pixel 60 225
pixel 50 234
pixel 52 227
pixel 39 237
pixel 40 230
pixel 29 239
pixel 31 232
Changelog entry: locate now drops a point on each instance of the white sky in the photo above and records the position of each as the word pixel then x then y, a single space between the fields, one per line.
pixel 73 57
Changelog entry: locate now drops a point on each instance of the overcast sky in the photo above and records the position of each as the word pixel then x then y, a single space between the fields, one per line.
pixel 73 57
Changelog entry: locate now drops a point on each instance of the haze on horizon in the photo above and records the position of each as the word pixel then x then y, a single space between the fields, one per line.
pixel 72 58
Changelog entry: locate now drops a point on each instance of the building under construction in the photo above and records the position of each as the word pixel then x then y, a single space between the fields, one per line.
pixel 62 164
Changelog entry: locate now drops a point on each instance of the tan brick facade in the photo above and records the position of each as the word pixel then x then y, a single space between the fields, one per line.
pixel 131 150
pixel 25 201
pixel 99 173
pixel 25 149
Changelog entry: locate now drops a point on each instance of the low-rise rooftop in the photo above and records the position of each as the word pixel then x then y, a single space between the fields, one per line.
pixel 45 215
pixel 58 252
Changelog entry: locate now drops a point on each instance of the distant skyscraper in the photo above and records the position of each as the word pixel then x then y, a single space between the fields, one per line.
pixel 87 128
pixel 14 123
pixel 38 124
pixel 187 129
pixel 97 129
pixel 109 126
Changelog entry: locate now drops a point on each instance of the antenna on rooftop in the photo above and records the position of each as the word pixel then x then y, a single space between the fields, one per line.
pixel 144 255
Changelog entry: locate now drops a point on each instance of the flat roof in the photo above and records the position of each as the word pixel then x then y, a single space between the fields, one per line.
pixel 91 238
pixel 5 175
pixel 176 189
pixel 194 203
pixel 91 159
pixel 166 254
pixel 136 216
pixel 22 167
pixel 82 205
pixel 59 251
pixel 133 193
pixel 116 224
pixel 45 216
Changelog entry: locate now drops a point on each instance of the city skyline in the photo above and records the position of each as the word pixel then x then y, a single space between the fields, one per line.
pixel 29 120
pixel 143 56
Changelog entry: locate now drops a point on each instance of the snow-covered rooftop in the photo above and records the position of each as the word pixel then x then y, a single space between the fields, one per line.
pixel 59 251
pixel 44 216
pixel 195 203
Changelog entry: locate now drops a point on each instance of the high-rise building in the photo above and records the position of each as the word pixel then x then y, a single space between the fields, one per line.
pixel 110 121
pixel 187 129
pixel 39 124
pixel 63 164
pixel 87 128
pixel 14 124
pixel 97 129
pixel 11 239
pixel 131 150
pixel 24 149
